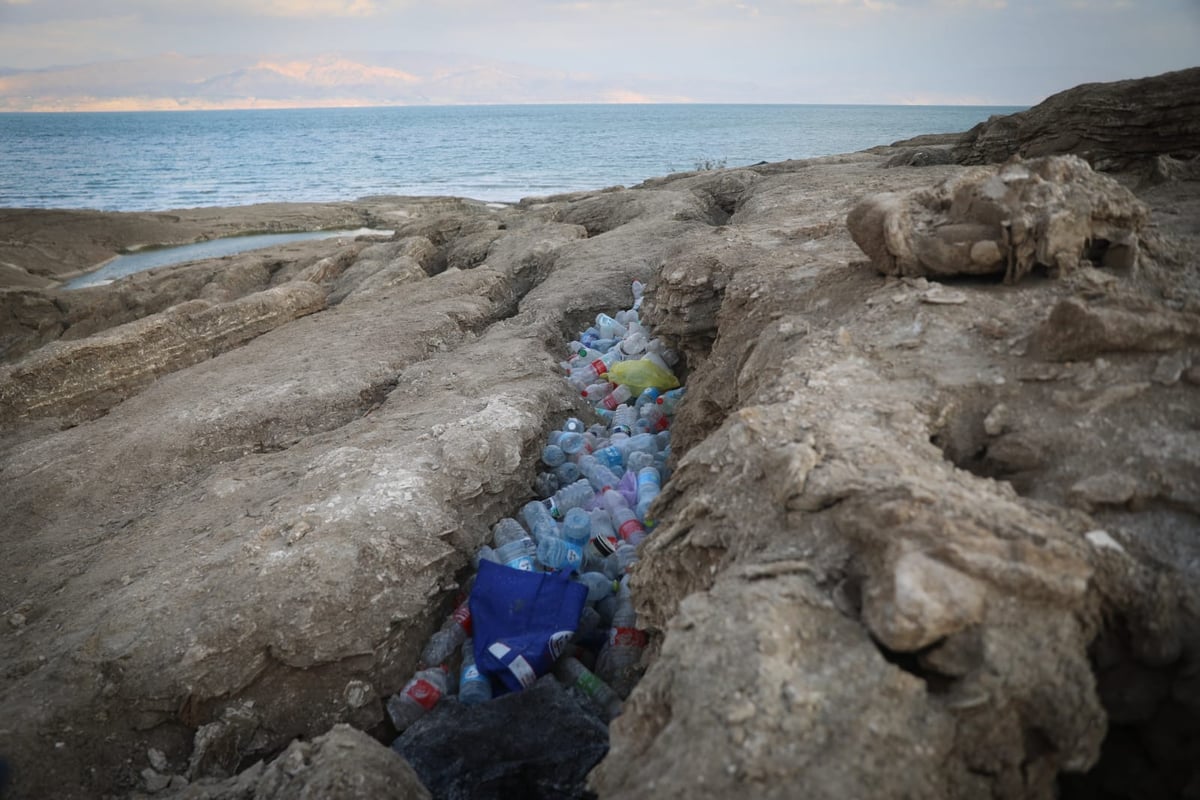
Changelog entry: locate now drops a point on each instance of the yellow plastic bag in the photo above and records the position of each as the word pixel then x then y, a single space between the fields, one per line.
pixel 642 374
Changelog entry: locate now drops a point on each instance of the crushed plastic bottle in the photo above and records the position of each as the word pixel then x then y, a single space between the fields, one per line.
pixel 575 495
pixel 541 524
pixel 417 698
pixel 443 644
pixel 514 547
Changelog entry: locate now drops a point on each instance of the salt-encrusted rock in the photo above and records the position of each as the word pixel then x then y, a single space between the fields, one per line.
pixel 1053 212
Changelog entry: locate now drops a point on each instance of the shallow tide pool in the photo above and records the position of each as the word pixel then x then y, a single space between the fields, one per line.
pixel 124 265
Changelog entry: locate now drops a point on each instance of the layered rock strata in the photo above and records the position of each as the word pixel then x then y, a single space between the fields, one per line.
pixel 923 539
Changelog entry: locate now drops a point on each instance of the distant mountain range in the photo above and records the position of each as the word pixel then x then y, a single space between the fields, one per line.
pixel 169 82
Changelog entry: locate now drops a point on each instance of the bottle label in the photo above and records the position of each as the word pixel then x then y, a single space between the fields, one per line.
pixel 626 637
pixel 523 563
pixel 470 673
pixel 424 693
pixel 599 367
pixel 589 684
pixel 574 556
pixel 629 527
pixel 558 643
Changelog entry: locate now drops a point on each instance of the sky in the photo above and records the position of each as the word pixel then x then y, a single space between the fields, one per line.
pixel 1007 52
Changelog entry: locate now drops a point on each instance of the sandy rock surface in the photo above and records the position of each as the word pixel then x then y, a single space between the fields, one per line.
pixel 924 539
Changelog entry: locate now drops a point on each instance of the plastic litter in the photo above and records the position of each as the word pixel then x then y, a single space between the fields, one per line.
pixel 642 374
pixel 552 594
pixel 523 622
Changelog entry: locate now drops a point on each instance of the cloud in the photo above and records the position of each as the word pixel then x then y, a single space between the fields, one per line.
pixel 306 8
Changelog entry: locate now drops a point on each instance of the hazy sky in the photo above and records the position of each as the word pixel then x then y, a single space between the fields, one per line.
pixel 887 51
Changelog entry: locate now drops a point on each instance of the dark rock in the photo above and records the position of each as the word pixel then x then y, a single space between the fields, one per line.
pixel 343 764
pixel 538 743
pixel 1112 125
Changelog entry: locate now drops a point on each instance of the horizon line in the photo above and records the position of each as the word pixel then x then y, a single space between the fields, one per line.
pixel 352 105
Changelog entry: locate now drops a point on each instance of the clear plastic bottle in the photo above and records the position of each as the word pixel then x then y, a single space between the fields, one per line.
pixel 485 553
pixel 616 397
pixel 618 565
pixel 417 697
pixel 514 547
pixel 567 552
pixel 648 487
pixel 633 345
pixel 567 473
pixel 599 585
pixel 545 484
pixel 519 554
pixel 599 476
pixel 624 418
pixel 609 328
pixel 648 397
pixel 596 392
pixel 571 443
pixel 610 457
pixel 576 495
pixel 639 292
pixel 573 674
pixel 658 421
pixel 670 400
pixel 574 425
pixel 454 631
pixel 507 530
pixel 638 460
pixel 618 660
pixel 541 523
pixel 629 527
pixel 553 455
pixel 473 688
pixel 641 442
pixel 604 536
pixel 552 554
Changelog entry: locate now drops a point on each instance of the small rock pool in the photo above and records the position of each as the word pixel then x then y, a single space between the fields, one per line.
pixel 124 265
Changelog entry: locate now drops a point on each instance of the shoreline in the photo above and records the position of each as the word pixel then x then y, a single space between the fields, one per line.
pixel 45 248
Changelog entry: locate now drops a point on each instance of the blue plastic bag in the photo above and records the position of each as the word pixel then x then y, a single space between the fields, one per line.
pixel 522 621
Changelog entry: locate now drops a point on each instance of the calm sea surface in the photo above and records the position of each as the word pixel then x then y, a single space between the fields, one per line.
pixel 160 160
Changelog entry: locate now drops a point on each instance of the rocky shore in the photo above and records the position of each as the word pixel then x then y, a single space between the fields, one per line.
pixel 932 529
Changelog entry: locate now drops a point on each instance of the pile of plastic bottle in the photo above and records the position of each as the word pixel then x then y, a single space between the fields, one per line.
pixel 595 492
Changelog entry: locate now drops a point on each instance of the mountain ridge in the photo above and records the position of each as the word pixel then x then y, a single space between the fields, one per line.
pixel 334 78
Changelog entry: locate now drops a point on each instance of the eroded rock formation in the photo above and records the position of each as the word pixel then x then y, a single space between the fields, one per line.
pixel 1053 212
pixel 923 540
pixel 1114 126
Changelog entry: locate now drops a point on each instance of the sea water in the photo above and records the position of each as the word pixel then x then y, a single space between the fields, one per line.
pixel 134 161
